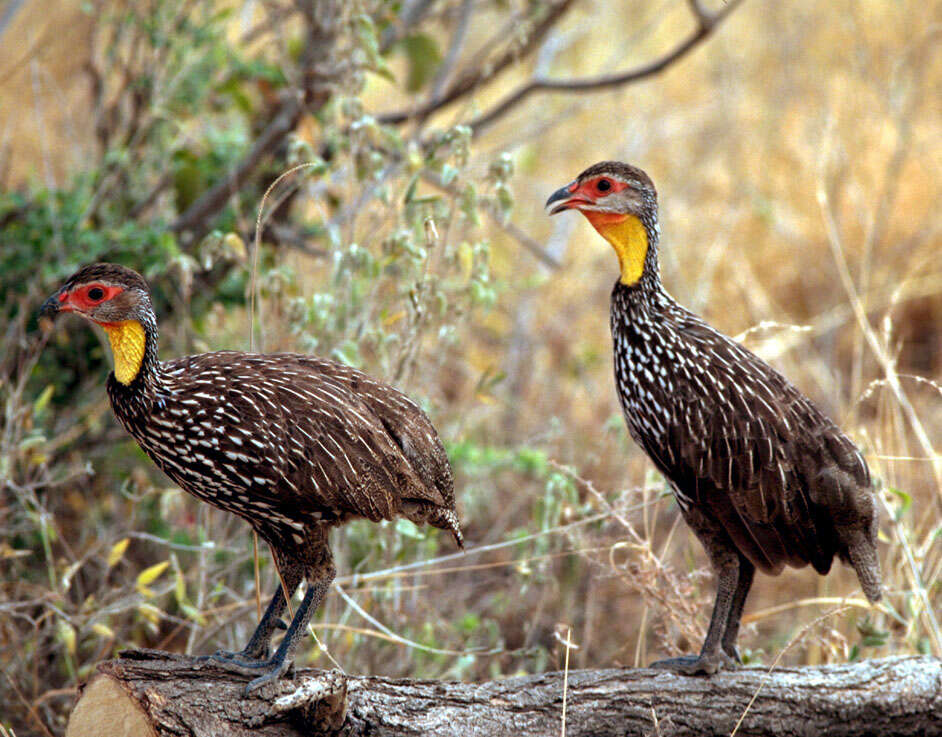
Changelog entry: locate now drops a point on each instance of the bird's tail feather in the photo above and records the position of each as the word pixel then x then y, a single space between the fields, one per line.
pixel 446 519
pixel 863 557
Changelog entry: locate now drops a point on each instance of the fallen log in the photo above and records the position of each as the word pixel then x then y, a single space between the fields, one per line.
pixel 149 693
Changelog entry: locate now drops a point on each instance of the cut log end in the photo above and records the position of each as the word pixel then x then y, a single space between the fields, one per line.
pixel 106 707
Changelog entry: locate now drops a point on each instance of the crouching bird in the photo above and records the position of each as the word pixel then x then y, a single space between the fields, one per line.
pixel 293 444
pixel 761 475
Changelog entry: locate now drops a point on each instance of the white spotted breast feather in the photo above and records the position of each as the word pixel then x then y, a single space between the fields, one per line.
pixel 734 436
pixel 291 439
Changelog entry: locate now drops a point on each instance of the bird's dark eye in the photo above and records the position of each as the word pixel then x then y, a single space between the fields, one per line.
pixel 96 293
pixel 604 185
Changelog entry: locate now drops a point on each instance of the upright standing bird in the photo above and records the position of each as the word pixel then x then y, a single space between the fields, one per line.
pixel 293 444
pixel 761 475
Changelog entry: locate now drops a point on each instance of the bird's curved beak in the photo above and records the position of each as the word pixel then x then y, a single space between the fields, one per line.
pixel 55 304
pixel 565 198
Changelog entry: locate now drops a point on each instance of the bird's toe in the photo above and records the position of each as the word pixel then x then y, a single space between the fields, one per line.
pixel 694 665
pixel 238 662
pixel 278 669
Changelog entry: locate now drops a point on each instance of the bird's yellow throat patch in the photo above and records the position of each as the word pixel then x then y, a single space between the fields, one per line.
pixel 629 239
pixel 128 342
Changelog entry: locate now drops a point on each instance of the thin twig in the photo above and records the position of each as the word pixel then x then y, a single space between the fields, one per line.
pixel 604 81
pixel 31 708
pixel 509 227
pixel 567 644
pixel 385 573
pixel 195 220
pixel 458 37
pixel 478 74
pixel 402 640
pixel 888 364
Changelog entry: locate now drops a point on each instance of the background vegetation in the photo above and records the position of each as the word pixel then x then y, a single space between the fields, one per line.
pixel 796 150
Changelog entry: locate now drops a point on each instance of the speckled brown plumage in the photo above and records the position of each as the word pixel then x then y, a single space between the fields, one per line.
pixel 761 475
pixel 291 443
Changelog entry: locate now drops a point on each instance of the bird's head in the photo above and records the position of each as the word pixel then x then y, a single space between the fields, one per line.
pixel 118 299
pixel 620 202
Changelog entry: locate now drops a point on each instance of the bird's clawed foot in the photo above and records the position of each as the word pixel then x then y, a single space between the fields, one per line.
pixel 692 665
pixel 733 654
pixel 277 668
pixel 254 655
pixel 274 667
pixel 236 661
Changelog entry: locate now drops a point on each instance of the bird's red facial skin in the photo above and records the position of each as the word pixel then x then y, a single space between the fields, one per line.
pixel 589 190
pixel 589 193
pixel 86 297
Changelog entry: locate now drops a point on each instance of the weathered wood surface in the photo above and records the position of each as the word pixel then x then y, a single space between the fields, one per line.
pixel 149 693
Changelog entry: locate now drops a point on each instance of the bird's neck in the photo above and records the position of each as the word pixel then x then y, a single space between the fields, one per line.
pixel 634 240
pixel 134 345
pixel 129 345
pixel 638 301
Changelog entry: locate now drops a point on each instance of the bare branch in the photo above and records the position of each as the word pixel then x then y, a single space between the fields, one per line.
pixel 707 23
pixel 193 223
pixel 319 70
pixel 527 241
pixel 474 77
pixel 454 48
pixel 704 18
pixel 411 15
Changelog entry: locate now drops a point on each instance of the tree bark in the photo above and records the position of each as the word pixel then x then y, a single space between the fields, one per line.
pixel 153 694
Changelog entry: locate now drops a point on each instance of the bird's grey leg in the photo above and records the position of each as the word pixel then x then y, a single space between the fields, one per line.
pixel 726 562
pixel 319 581
pixel 746 573
pixel 257 649
pixel 711 658
pixel 258 644
pixel 317 566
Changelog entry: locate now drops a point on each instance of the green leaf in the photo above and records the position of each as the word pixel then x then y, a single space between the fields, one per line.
pixel 532 460
pixel 424 57
pixel 43 399
pixel 871 636
pixel 906 501
pixel 469 623
pixel 179 588
pixel 505 199
pixel 369 43
pixel 65 633
pixel 188 179
pixel 469 204
pixel 448 174
pixel 193 613
pixel 33 441
pixel 410 190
